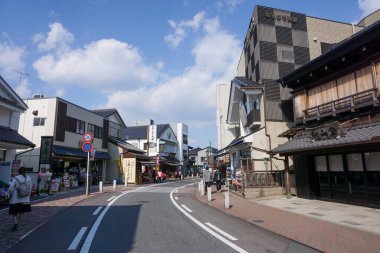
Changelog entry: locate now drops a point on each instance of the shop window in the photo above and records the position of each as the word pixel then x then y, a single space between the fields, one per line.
pixel 320 163
pixel 39 121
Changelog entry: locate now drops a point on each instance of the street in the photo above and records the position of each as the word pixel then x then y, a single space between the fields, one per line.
pixel 159 218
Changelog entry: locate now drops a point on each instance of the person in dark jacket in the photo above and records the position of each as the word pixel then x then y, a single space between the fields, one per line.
pixel 218 180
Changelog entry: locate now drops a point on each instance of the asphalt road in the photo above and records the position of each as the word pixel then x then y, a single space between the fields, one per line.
pixel 151 219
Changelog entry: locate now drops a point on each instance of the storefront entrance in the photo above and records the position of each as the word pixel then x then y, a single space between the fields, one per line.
pixel 349 177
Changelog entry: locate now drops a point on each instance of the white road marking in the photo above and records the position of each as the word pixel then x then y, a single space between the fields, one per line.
pixel 75 242
pixel 111 198
pixel 31 231
pixel 87 243
pixel 221 232
pixel 186 208
pixel 97 210
pixel 176 198
pixel 176 191
pixel 204 227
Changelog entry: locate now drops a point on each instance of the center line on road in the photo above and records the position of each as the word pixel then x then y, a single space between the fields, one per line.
pixel 97 210
pixel 204 227
pixel 186 208
pixel 111 198
pixel 221 231
pixel 75 242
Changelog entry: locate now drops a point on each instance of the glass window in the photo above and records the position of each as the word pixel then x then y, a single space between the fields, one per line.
pixel 354 162
pixel 95 130
pixel 320 163
pixel 335 163
pixel 39 121
pixel 184 139
pixel 372 161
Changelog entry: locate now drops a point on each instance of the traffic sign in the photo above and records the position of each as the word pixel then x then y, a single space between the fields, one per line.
pixel 88 137
pixel 87 147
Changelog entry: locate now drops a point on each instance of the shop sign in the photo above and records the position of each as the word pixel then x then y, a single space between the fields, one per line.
pixel 278 17
pixel 325 132
pixel 46 149
pixel 129 165
pixel 152 134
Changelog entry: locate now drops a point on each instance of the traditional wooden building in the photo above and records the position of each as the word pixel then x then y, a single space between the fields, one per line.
pixel 335 144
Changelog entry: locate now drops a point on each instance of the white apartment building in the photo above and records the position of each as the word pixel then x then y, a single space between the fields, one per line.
pixel 181 132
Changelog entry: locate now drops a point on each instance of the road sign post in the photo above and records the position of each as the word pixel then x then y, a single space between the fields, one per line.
pixel 87 147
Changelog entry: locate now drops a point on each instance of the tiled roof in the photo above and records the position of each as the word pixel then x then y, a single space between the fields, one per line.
pixel 353 137
pixel 194 151
pixel 244 82
pixel 125 145
pixel 140 132
pixel 104 112
pixel 12 136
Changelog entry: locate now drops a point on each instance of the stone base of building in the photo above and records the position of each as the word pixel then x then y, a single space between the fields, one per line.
pixel 257 192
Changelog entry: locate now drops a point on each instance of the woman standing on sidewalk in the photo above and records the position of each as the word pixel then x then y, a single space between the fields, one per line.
pixel 19 190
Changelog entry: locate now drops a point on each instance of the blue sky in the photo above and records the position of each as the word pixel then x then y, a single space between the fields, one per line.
pixel 149 59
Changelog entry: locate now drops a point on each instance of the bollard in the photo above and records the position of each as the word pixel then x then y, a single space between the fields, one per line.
pixel 192 175
pixel 181 177
pixel 114 185
pixel 100 186
pixel 126 183
pixel 202 189
pixel 209 193
pixel 226 199
pixel 199 186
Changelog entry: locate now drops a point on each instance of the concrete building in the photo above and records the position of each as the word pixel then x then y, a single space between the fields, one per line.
pixel 277 42
pixel 181 132
pixel 56 127
pixel 11 106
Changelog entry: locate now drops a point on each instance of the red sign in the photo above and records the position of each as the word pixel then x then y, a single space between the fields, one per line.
pixel 87 147
pixel 88 137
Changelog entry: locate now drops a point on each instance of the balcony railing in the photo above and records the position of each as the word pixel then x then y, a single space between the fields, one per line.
pixel 253 117
pixel 345 104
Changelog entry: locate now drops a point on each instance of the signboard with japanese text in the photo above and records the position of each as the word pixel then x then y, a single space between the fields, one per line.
pixel 152 134
pixel 46 149
pixel 129 166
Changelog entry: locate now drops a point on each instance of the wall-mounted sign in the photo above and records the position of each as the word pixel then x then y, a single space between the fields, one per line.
pixel 129 166
pixel 325 132
pixel 46 149
pixel 278 17
pixel 152 134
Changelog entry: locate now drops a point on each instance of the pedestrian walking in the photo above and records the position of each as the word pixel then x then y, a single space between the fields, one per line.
pixel 207 178
pixel 218 180
pixel 159 175
pixel 19 191
pixel 154 176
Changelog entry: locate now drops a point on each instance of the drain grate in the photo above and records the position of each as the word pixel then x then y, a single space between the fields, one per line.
pixel 258 221
pixel 317 214
pixel 352 223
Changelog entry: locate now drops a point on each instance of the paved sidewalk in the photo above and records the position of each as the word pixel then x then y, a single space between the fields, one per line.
pixel 43 210
pixel 319 234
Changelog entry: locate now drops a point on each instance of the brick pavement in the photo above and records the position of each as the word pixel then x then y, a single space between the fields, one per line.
pixel 321 235
pixel 42 210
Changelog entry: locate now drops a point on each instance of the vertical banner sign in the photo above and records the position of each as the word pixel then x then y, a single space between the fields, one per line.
pixel 46 149
pixel 152 134
pixel 129 165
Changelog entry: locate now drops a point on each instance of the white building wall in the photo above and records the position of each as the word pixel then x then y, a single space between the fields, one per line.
pixel 225 133
pixel 5 115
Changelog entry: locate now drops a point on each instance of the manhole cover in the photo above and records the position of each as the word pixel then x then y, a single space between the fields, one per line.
pixel 258 221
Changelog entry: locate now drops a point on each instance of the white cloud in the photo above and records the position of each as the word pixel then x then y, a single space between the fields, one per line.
pixel 11 60
pixel 368 6
pixel 58 38
pixel 189 97
pixel 181 29
pixel 23 89
pixel 103 65
pixel 230 4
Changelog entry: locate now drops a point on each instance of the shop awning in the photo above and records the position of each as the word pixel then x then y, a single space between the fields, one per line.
pixel 360 135
pixel 73 152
